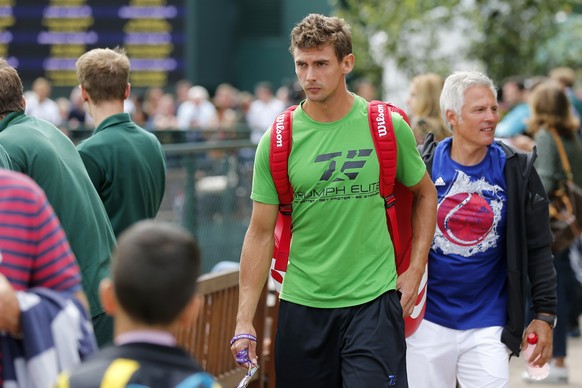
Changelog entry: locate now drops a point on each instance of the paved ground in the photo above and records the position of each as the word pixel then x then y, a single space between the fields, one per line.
pixel 573 361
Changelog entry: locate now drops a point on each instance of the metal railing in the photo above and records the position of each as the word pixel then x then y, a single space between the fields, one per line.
pixel 208 185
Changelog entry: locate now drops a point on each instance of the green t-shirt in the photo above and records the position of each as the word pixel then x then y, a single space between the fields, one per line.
pixel 341 254
pixel 5 159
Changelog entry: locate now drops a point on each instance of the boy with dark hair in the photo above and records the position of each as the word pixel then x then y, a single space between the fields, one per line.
pixel 152 291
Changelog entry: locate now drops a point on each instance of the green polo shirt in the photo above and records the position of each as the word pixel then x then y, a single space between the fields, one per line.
pixel 127 167
pixel 5 159
pixel 40 150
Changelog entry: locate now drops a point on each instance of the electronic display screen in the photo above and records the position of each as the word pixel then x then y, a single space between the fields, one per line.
pixel 45 38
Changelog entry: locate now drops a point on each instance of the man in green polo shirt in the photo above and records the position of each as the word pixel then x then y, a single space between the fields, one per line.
pixel 126 163
pixel 40 150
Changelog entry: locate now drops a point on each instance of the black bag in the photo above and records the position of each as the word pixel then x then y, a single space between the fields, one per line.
pixel 565 205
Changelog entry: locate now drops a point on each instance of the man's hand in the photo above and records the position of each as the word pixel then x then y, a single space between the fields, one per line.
pixel 9 308
pixel 244 347
pixel 407 284
pixel 543 348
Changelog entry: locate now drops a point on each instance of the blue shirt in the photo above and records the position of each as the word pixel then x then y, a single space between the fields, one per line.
pixel 467 267
pixel 514 122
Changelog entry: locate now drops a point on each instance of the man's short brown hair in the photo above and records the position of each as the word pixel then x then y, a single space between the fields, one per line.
pixel 12 91
pixel 104 73
pixel 316 31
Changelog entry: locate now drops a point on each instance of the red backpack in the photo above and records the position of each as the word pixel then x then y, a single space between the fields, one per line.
pixel 398 198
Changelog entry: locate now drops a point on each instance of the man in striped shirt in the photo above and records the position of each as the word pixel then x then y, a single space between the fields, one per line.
pixel 34 252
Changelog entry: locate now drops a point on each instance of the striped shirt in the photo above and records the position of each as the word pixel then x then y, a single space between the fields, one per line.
pixel 34 251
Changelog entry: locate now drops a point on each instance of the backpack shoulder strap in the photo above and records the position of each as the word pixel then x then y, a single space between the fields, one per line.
pixel 380 120
pixel 382 129
pixel 280 148
pixel 279 156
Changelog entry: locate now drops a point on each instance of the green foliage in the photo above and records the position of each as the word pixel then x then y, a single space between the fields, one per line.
pixel 508 37
pixel 408 29
pixel 512 33
pixel 561 49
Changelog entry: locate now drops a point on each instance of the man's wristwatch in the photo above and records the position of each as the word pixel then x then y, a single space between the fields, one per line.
pixel 548 318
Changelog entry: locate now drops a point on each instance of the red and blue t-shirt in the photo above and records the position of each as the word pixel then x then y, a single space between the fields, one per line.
pixel 467 265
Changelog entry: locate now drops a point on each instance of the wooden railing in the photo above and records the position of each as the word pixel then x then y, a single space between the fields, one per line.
pixel 207 338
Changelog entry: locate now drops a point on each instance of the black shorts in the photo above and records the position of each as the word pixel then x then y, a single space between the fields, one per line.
pixel 352 347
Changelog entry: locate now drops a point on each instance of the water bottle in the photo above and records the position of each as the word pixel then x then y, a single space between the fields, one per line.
pixel 534 372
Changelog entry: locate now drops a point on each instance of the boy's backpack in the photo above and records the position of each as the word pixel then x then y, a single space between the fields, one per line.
pixel 398 198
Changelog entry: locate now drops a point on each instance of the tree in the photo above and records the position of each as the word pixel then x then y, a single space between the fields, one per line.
pixel 513 33
pixel 561 49
pixel 406 29
pixel 504 36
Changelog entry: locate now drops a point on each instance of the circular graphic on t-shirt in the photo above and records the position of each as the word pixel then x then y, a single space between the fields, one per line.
pixel 465 218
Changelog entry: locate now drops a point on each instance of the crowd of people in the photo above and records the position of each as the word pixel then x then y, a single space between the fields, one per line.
pixel 229 113
pixel 78 239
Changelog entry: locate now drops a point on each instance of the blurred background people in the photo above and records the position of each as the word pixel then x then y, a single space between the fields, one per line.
pixel 40 104
pixel 263 110
pixel 164 117
pixel 566 77
pixel 365 88
pixel 423 106
pixel 227 114
pixel 552 120
pixel 514 103
pixel 197 112
pixel 77 116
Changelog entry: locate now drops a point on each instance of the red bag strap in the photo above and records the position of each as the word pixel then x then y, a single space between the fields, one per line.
pixel 382 129
pixel 380 120
pixel 279 157
pixel 280 148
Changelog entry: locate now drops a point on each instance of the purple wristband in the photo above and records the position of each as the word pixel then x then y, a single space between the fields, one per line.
pixel 242 336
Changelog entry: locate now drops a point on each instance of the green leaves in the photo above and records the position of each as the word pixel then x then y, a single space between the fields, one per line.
pixel 507 37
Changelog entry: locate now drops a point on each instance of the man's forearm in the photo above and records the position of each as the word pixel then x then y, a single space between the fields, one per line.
pixel 423 225
pixel 9 308
pixel 254 270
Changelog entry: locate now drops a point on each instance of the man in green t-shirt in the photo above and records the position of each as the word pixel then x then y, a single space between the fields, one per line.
pixel 125 163
pixel 341 316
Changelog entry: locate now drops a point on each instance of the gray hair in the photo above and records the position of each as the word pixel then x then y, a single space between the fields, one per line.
pixel 453 93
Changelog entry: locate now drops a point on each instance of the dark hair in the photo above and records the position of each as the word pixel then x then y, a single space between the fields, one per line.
pixel 12 91
pixel 154 269
pixel 519 81
pixel 316 31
